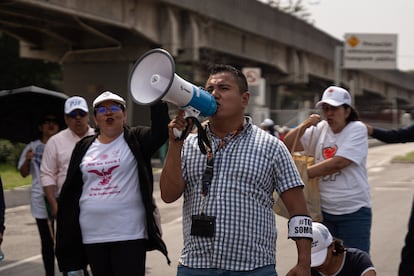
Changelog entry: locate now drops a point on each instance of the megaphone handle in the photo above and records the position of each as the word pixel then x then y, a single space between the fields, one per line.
pixel 188 112
pixel 178 133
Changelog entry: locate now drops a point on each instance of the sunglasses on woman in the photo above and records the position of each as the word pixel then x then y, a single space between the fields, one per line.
pixel 103 109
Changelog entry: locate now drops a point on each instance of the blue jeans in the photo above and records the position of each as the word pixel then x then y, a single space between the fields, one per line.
pixel 268 270
pixel 354 229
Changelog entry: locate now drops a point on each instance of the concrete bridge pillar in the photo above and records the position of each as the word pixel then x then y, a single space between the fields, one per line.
pixel 304 112
pixel 89 80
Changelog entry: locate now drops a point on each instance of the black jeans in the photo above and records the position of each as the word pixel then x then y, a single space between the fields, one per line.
pixel 121 258
pixel 47 245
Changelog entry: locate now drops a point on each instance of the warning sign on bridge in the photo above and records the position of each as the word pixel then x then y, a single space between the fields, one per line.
pixel 370 51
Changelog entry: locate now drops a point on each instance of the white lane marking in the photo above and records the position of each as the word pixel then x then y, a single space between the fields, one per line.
pixel 20 262
pixel 392 189
pixel 375 169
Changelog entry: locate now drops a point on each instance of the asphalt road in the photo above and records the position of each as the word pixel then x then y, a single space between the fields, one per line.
pixel 392 187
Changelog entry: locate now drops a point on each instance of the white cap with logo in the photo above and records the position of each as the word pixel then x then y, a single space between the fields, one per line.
pixel 322 239
pixel 335 96
pixel 75 102
pixel 108 96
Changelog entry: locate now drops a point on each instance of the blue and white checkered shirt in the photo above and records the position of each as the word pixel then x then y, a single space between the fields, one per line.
pixel 246 172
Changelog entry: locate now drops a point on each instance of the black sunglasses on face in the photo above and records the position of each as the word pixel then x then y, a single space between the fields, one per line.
pixel 73 114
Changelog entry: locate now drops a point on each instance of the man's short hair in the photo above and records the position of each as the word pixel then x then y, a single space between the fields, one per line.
pixel 238 75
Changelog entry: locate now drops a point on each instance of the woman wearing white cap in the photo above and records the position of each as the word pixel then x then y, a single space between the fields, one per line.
pixel 340 147
pixel 106 209
pixel 330 257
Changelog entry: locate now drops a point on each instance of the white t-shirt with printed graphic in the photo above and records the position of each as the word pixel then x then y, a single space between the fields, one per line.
pixel 37 201
pixel 348 190
pixel 111 207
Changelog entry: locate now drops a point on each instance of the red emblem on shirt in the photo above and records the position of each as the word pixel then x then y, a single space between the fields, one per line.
pixel 329 152
pixel 105 175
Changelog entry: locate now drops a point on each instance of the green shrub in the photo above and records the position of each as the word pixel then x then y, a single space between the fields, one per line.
pixel 10 152
pixel 9 156
pixel 11 177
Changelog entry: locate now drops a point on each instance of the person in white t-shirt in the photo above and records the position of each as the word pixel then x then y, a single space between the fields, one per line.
pixel 29 164
pixel 340 146
pixel 106 209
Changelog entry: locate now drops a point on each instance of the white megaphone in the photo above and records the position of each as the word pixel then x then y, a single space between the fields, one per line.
pixel 153 78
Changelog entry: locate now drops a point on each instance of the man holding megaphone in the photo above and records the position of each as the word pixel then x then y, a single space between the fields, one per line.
pixel 228 222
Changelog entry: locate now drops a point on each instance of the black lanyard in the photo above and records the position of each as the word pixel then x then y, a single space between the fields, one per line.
pixel 204 145
pixel 208 172
pixel 203 141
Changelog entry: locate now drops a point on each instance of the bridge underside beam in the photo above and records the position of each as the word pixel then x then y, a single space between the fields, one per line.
pixel 119 31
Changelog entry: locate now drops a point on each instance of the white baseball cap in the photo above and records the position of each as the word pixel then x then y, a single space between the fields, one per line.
pixel 335 96
pixel 267 122
pixel 108 96
pixel 322 239
pixel 75 102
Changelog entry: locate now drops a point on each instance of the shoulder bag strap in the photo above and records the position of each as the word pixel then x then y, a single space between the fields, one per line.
pixel 296 140
pixel 318 148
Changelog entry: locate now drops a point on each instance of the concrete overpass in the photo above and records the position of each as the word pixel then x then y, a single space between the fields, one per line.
pixel 97 41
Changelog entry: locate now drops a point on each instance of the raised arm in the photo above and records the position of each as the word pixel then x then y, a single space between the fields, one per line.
pixel 289 140
pixel 25 160
pixel 159 122
pixel 171 181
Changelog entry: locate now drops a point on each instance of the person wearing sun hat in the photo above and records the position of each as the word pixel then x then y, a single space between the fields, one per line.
pixel 330 257
pixel 340 147
pixel 106 205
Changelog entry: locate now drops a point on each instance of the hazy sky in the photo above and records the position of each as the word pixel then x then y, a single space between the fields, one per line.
pixel 337 17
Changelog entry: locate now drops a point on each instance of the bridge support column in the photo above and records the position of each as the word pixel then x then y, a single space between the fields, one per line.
pixel 89 80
